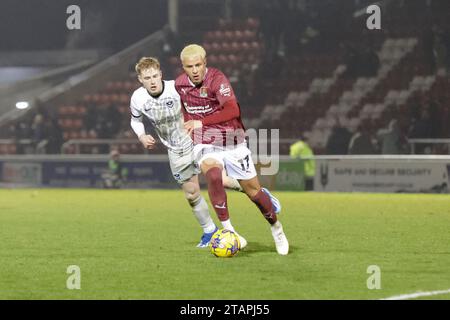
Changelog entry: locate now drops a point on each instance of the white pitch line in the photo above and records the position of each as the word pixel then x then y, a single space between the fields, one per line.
pixel 417 295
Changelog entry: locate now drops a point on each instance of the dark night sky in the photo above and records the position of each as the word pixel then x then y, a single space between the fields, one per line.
pixel 41 24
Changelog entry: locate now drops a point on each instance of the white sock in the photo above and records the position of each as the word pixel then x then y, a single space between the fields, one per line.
pixel 276 225
pixel 227 225
pixel 201 213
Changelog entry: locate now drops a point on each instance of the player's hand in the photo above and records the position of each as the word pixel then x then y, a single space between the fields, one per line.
pixel 191 125
pixel 147 141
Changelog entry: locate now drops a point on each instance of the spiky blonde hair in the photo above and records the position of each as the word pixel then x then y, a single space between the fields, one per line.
pixel 192 50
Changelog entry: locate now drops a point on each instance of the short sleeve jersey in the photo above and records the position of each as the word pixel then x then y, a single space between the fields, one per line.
pixel 205 99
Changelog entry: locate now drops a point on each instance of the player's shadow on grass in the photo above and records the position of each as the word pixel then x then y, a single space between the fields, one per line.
pixel 256 247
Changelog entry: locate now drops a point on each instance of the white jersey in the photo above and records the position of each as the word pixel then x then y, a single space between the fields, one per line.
pixel 164 113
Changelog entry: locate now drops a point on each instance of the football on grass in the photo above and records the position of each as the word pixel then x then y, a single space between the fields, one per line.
pixel 224 243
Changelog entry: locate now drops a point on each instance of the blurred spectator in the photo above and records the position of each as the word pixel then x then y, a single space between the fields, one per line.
pixel 116 175
pixel 11 131
pixel 113 120
pixel 293 28
pixel 338 140
pixel 422 128
pixel 171 48
pixel 38 129
pixel 391 139
pixel 294 25
pixel 301 150
pixel 271 25
pixel 371 61
pixel 90 119
pixel 101 123
pixel 54 136
pixel 362 141
pixel 445 122
pixel 24 130
pixel 92 134
pixel 360 61
pixel 427 40
pixel 440 49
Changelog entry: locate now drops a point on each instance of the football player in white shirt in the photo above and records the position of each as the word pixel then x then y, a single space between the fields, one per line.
pixel 158 100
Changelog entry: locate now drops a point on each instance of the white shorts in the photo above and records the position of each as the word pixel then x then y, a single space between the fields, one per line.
pixel 237 160
pixel 183 166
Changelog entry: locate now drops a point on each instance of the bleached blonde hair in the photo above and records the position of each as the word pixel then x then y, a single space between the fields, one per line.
pixel 192 50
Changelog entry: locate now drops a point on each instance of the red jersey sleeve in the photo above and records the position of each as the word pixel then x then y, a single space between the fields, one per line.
pixel 222 89
pixel 229 111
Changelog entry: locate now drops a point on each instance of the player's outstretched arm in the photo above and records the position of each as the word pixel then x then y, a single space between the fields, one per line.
pixel 139 129
pixel 229 111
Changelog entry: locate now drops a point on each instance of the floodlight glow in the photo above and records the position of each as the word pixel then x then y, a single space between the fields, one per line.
pixel 22 105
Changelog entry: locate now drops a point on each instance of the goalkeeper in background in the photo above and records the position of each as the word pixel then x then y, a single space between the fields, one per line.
pixel 302 151
pixel 117 174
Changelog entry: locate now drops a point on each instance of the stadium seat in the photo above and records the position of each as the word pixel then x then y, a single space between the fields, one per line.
pixel 245 47
pixel 11 148
pixel 238 36
pixel 207 46
pixel 225 48
pixel 213 60
pixel 77 123
pixel 215 48
pixel 209 36
pixel 219 36
pixel 174 60
pixel 228 36
pixel 249 35
pixel 81 110
pixel 252 23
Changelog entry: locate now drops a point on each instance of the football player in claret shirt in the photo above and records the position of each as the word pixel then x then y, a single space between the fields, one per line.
pixel 212 115
pixel 158 101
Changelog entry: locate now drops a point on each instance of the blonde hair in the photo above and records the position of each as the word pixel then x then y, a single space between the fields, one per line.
pixel 192 50
pixel 147 63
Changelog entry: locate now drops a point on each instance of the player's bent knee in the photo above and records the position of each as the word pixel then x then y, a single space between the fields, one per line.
pixel 214 174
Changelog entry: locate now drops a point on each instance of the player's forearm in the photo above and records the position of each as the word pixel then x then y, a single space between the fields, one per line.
pixel 229 112
pixel 138 127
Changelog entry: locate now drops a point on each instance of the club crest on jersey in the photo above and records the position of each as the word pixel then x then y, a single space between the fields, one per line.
pixel 225 90
pixel 169 103
pixel 204 92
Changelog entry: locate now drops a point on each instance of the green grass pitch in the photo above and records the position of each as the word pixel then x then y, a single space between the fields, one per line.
pixel 140 244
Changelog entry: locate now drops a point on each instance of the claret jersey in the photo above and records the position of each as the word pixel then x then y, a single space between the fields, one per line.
pixel 205 99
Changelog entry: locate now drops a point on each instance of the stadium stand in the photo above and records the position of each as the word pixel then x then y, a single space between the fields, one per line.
pixel 306 85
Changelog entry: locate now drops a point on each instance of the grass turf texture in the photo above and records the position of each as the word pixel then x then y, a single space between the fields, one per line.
pixel 141 245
